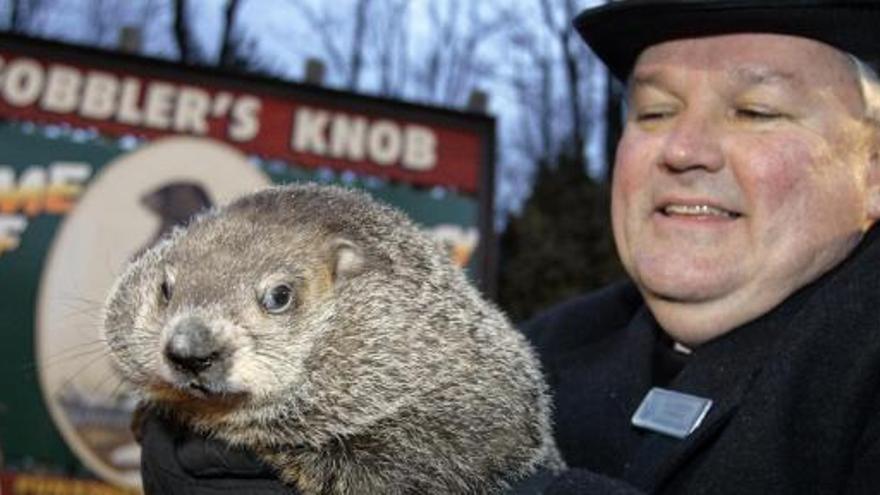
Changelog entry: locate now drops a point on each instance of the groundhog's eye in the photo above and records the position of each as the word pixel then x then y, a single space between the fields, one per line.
pixel 277 298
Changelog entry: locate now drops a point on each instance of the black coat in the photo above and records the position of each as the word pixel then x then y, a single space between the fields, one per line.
pixel 797 403
pixel 175 461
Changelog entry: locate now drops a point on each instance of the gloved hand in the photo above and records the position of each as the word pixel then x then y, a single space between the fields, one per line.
pixel 175 461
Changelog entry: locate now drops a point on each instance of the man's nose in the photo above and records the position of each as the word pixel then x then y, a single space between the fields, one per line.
pixel 693 143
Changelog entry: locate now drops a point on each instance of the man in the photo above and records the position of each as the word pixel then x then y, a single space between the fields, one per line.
pixel 745 188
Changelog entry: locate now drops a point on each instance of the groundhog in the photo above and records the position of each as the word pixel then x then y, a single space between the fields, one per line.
pixel 325 332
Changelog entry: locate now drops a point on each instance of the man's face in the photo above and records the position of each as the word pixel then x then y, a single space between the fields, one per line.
pixel 745 171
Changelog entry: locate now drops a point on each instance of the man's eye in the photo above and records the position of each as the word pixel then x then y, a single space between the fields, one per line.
pixel 757 114
pixel 652 115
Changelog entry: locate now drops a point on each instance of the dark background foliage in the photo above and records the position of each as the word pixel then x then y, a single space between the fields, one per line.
pixel 560 245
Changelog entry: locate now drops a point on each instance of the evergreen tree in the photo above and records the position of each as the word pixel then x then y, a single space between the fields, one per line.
pixel 561 243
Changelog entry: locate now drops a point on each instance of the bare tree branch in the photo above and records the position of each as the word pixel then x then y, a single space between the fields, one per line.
pixel 401 45
pixel 356 54
pixel 103 29
pixel 431 77
pixel 181 32
pixel 563 32
pixel 320 24
pixel 228 38
pixel 15 16
pixel 23 14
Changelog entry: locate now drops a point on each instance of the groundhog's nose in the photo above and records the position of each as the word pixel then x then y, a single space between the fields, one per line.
pixel 192 347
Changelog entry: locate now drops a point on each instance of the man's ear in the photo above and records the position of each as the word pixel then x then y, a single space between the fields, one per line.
pixel 347 259
pixel 872 193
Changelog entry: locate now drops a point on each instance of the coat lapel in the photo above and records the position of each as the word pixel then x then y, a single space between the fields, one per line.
pixel 596 389
pixel 723 370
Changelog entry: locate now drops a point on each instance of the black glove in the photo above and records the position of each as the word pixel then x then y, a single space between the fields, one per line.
pixel 175 461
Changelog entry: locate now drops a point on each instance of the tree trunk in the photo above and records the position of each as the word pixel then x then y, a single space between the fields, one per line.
pixel 355 59
pixel 227 49
pixel 15 16
pixel 181 32
pixel 573 76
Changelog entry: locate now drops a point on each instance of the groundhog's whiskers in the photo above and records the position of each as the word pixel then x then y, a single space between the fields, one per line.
pixel 88 314
pixel 322 330
pixel 95 349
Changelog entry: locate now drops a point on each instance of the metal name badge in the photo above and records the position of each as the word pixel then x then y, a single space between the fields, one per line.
pixel 671 413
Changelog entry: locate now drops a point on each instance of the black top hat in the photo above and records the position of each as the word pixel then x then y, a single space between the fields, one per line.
pixel 619 31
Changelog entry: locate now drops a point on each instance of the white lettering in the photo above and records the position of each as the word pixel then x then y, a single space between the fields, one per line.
pixel 99 96
pixel 355 138
pixel 309 131
pixel 23 82
pixel 420 151
pixel 69 173
pixel 384 142
pixel 11 228
pixel 62 89
pixel 32 179
pixel 347 136
pixel 159 105
pixel 7 178
pixel 129 113
pixel 245 119
pixel 33 194
pixel 191 114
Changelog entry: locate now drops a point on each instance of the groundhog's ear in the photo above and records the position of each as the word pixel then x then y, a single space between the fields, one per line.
pixel 347 259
